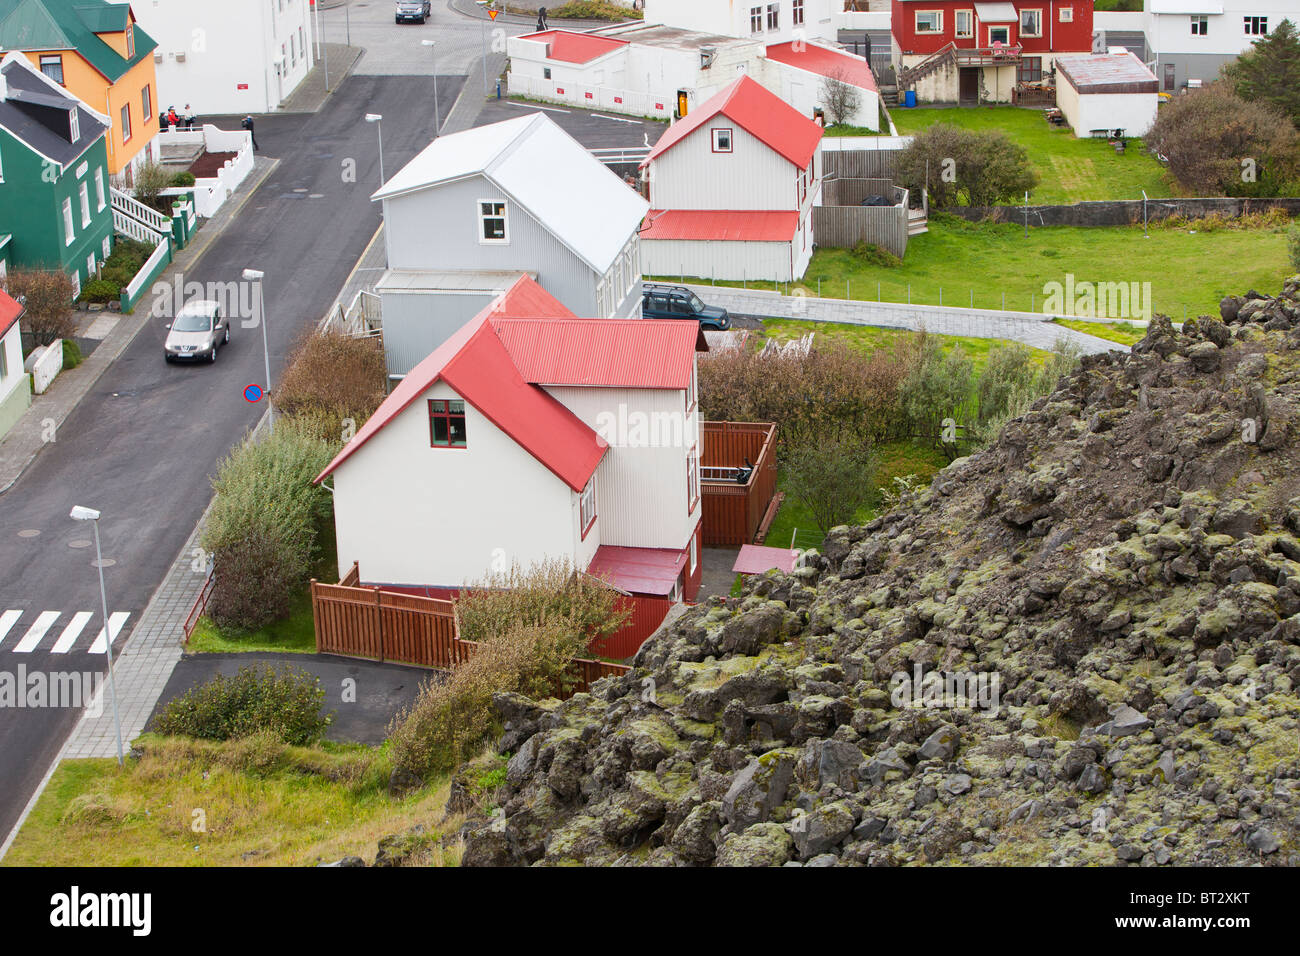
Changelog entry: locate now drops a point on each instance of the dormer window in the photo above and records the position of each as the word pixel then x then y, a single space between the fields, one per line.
pixel 130 42
pixel 74 125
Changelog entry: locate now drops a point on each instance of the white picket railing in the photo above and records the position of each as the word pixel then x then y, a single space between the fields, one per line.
pixel 132 228
pixel 132 207
pixel 147 271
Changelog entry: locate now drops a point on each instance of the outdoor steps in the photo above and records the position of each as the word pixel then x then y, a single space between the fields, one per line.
pixel 769 516
pixel 916 228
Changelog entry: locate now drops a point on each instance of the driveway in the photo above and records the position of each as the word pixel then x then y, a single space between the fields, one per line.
pixel 364 696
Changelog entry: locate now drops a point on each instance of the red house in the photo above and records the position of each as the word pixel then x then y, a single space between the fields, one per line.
pixel 957 51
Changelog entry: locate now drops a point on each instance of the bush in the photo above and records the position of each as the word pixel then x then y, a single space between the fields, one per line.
pixel 183 179
pixel 547 593
pixel 588 10
pixel 71 354
pixel 259 699
pixel 48 303
pixel 451 722
pixel 833 389
pixel 936 388
pixel 333 376
pixel 100 290
pixel 266 521
pixel 872 255
pixel 1011 383
pixel 835 478
pixel 1293 246
pixel 961 166
pixel 150 180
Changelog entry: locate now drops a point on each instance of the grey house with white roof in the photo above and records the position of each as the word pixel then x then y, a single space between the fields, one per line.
pixel 477 209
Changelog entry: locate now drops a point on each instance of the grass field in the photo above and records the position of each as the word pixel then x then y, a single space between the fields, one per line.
pixel 198 803
pixel 1122 332
pixel 992 266
pixel 297 632
pixel 1069 169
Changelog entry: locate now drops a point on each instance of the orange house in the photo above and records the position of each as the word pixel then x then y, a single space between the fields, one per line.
pixel 96 50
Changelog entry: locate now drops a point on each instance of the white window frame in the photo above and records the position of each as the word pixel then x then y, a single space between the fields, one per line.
pixel 796 13
pixel 483 218
pixel 774 16
pixel 755 19
pixel 958 31
pixel 90 266
pixel 730 135
pixel 74 125
pixel 76 283
pixel 4 360
pixel 1036 13
pixel 107 246
pixel 1255 26
pixel 587 506
pixel 938 22
pixel 100 201
pixel 83 195
pixel 693 558
pixel 1066 15
pixel 1200 24
pixel 69 227
pixel 146 102
pixel 1004 28
pixel 692 479
pixel 126 123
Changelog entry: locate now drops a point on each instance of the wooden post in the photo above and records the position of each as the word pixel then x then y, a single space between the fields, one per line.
pixel 315 614
pixel 379 622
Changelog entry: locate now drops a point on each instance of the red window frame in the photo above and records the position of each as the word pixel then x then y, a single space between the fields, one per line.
pixel 692 480
pixel 587 525
pixel 440 410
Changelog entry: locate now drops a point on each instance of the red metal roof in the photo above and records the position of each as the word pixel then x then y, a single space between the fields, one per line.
pixel 824 61
pixel 570 47
pixel 9 312
pixel 632 353
pixel 755 559
pixel 776 225
pixel 477 366
pixel 638 570
pixel 756 110
pixel 528 300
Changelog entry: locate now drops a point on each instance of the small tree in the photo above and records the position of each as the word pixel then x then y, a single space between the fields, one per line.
pixel 1270 71
pixel 937 386
pixel 833 477
pixel 965 166
pixel 47 296
pixel 150 180
pixel 840 99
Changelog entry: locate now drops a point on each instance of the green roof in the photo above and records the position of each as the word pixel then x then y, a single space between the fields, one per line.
pixel 71 25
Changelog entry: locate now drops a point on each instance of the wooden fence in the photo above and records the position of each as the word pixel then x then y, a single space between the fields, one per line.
pixel 380 625
pixel 734 512
pixel 859 163
pixel 842 223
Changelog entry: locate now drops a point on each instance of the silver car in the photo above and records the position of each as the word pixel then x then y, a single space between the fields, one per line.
pixel 197 332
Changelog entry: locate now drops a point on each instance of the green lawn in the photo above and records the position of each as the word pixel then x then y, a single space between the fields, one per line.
pixel 261 805
pixel 1123 332
pixel 1070 169
pixel 297 632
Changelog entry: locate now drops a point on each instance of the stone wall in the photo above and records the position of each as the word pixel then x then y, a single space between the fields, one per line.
pixel 1123 212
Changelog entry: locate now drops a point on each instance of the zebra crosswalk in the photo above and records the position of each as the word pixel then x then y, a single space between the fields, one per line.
pixel 47 630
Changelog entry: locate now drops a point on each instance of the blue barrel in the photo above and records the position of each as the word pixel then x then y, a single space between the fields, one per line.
pixel 909 99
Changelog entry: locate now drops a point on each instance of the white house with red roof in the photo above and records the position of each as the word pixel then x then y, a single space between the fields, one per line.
pixel 476 210
pixel 15 387
pixel 732 187
pixel 522 439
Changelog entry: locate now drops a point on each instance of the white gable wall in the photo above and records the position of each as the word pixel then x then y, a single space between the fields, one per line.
pixel 641 487
pixel 439 517
pixel 752 176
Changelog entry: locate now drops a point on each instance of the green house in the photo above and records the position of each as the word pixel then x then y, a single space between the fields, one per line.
pixel 54 189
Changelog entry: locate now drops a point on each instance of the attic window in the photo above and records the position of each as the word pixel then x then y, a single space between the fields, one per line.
pixel 492 221
pixel 74 125
pixel 52 66
pixel 722 140
pixel 130 42
pixel 446 423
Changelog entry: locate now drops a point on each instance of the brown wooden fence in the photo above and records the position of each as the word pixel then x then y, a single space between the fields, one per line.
pixel 734 512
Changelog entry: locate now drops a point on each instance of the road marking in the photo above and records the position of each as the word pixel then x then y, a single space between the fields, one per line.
pixel 616 119
pixel 7 620
pixel 71 633
pixel 115 622
pixel 44 621
pixel 534 106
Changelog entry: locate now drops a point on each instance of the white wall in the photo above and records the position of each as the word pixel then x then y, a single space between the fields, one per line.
pixel 209 50
pixel 735 261
pixel 1134 113
pixel 641 487
pixel 732 18
pixel 11 343
pixel 1225 33
pixel 416 515
pixel 802 89
pixel 752 176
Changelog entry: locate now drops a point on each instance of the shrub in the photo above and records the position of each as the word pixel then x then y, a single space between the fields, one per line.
pixel 936 388
pixel 71 354
pixel 1011 383
pixel 1293 246
pixel 258 699
pixel 834 477
pixel 961 166
pixel 587 10
pixel 100 290
pixel 546 593
pixel 872 255
pixel 150 180
pixel 333 376
pixel 48 302
pixel 266 520
pixel 183 179
pixel 450 722
pixel 833 389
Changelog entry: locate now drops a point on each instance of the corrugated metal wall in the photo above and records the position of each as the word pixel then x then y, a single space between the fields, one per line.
pixel 751 176
pixel 719 260
pixel 416 323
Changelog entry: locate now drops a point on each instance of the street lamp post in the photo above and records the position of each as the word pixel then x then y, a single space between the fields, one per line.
pixel 90 514
pixel 437 120
pixel 253 275
pixel 378 120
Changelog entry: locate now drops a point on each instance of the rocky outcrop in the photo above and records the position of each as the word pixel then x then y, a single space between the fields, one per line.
pixel 1080 645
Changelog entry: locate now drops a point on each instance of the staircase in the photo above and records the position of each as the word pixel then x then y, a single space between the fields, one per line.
pixel 135 220
pixel 908 76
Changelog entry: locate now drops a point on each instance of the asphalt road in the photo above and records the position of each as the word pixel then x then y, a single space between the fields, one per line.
pixel 143 445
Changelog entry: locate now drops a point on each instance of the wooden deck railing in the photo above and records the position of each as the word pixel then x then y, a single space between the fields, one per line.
pixel 733 512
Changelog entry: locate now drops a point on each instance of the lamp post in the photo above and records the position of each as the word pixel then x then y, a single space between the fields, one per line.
pixel 90 514
pixel 253 275
pixel 378 120
pixel 437 120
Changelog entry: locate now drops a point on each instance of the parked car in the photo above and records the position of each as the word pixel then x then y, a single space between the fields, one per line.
pixel 413 11
pixel 678 302
pixel 197 332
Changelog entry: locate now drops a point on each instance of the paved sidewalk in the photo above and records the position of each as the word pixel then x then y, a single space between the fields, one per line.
pixel 39 424
pixel 310 95
pixel 1027 327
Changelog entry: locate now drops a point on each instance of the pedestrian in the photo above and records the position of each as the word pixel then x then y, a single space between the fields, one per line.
pixel 188 116
pixel 173 118
pixel 163 123
pixel 248 125
pixel 541 18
